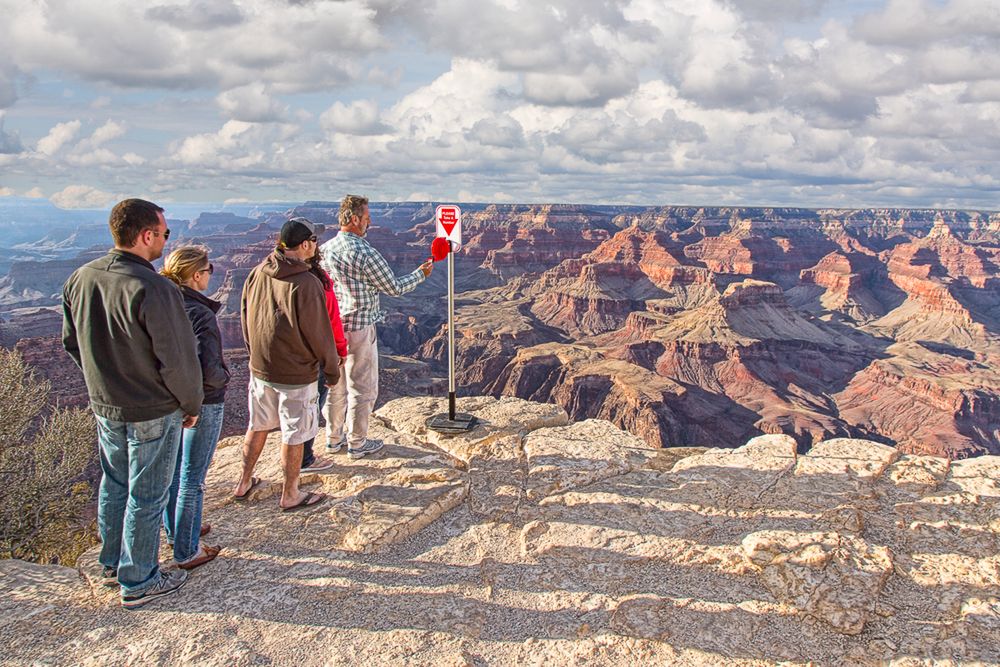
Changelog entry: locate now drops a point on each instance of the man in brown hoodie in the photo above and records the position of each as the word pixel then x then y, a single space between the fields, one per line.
pixel 287 332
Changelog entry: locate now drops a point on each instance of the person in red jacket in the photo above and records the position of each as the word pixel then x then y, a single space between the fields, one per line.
pixel 310 463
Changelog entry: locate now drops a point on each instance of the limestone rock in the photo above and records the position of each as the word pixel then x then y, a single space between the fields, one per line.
pixel 535 542
pixel 749 470
pixel 567 457
pixel 497 476
pixel 858 459
pixel 28 590
pixel 375 501
pixel 498 418
pixel 918 474
pixel 829 576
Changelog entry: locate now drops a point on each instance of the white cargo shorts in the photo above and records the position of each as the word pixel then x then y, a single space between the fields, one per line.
pixel 292 408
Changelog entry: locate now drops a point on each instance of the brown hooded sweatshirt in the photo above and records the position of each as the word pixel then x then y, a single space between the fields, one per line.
pixel 285 323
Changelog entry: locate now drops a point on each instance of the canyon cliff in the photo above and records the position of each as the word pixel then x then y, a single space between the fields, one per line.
pixel 683 325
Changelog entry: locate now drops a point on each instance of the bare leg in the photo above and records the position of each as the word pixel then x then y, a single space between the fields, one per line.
pixel 291 463
pixel 253 445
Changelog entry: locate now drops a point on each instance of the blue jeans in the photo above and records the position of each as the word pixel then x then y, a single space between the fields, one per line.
pixel 182 516
pixel 137 459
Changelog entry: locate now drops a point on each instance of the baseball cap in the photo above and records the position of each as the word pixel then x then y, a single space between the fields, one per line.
pixel 297 230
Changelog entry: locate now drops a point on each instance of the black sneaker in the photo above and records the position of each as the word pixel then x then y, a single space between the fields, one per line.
pixel 109 576
pixel 170 582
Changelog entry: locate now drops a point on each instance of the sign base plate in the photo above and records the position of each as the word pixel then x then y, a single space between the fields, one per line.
pixel 462 423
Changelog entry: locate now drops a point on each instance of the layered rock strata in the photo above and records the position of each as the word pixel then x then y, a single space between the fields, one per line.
pixel 533 539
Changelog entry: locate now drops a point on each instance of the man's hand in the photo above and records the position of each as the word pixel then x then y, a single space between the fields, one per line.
pixel 427 267
pixel 343 360
pixel 189 421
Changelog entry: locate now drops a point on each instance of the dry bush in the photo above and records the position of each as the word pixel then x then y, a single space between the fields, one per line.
pixel 42 460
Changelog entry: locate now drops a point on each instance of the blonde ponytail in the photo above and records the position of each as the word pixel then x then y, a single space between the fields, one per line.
pixel 181 265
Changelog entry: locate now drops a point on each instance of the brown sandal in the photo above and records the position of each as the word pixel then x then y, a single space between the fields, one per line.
pixel 206 554
pixel 254 483
pixel 308 500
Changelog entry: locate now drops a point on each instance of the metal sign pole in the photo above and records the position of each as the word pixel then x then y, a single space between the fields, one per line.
pixel 451 332
pixel 449 218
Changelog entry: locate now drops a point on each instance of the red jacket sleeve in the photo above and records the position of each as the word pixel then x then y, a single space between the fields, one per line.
pixel 338 327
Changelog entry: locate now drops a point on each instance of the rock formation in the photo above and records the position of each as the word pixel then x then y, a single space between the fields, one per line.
pixel 536 540
pixel 874 323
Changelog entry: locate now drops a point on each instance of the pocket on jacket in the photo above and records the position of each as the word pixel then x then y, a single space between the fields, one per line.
pixel 151 429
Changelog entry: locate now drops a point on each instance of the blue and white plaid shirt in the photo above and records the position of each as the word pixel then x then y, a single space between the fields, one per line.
pixel 359 273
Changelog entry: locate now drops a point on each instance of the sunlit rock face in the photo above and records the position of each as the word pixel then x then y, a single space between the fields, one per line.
pixel 536 539
pixel 682 325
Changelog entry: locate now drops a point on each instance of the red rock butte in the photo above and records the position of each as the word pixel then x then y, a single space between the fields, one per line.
pixel 686 326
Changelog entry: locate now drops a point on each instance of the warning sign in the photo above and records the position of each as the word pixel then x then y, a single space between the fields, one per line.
pixel 449 223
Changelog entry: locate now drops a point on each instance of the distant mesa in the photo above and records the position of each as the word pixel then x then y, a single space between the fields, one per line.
pixel 683 325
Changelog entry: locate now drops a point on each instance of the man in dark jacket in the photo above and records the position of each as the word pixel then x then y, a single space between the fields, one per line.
pixel 125 326
pixel 287 331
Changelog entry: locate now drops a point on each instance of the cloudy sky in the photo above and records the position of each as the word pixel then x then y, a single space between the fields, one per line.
pixel 784 102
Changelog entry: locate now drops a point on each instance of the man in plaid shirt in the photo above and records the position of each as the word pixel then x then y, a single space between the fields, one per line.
pixel 359 274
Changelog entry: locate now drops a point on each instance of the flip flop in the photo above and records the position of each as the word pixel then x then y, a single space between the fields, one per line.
pixel 254 483
pixel 305 502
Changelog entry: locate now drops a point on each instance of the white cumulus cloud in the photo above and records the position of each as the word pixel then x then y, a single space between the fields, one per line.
pixel 358 117
pixel 82 196
pixel 58 136
pixel 252 103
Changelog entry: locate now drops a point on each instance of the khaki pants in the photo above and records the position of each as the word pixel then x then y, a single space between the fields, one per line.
pixel 349 404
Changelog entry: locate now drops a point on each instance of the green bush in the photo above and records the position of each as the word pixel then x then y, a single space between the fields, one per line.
pixel 42 461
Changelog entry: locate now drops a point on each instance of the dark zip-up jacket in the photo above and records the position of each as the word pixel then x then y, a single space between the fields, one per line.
pixel 201 311
pixel 285 323
pixel 124 325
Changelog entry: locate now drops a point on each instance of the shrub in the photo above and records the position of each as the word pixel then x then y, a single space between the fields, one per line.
pixel 42 462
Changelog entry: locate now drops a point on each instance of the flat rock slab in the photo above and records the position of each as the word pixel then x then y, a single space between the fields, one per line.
pixel 836 478
pixel 497 477
pixel 567 457
pixel 498 418
pixel 28 590
pixel 832 577
pixel 431 553
pixel 374 501
pixel 918 474
pixel 979 476
pixel 856 459
pixel 734 478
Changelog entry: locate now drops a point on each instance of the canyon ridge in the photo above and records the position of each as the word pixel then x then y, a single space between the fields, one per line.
pixel 684 326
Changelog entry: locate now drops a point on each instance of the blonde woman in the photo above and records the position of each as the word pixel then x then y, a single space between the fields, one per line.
pixel 189 267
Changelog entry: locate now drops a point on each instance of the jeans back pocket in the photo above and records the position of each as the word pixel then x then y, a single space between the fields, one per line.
pixel 151 429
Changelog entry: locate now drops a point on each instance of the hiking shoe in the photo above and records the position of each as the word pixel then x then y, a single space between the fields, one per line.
pixel 370 447
pixel 334 447
pixel 317 465
pixel 109 576
pixel 170 582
